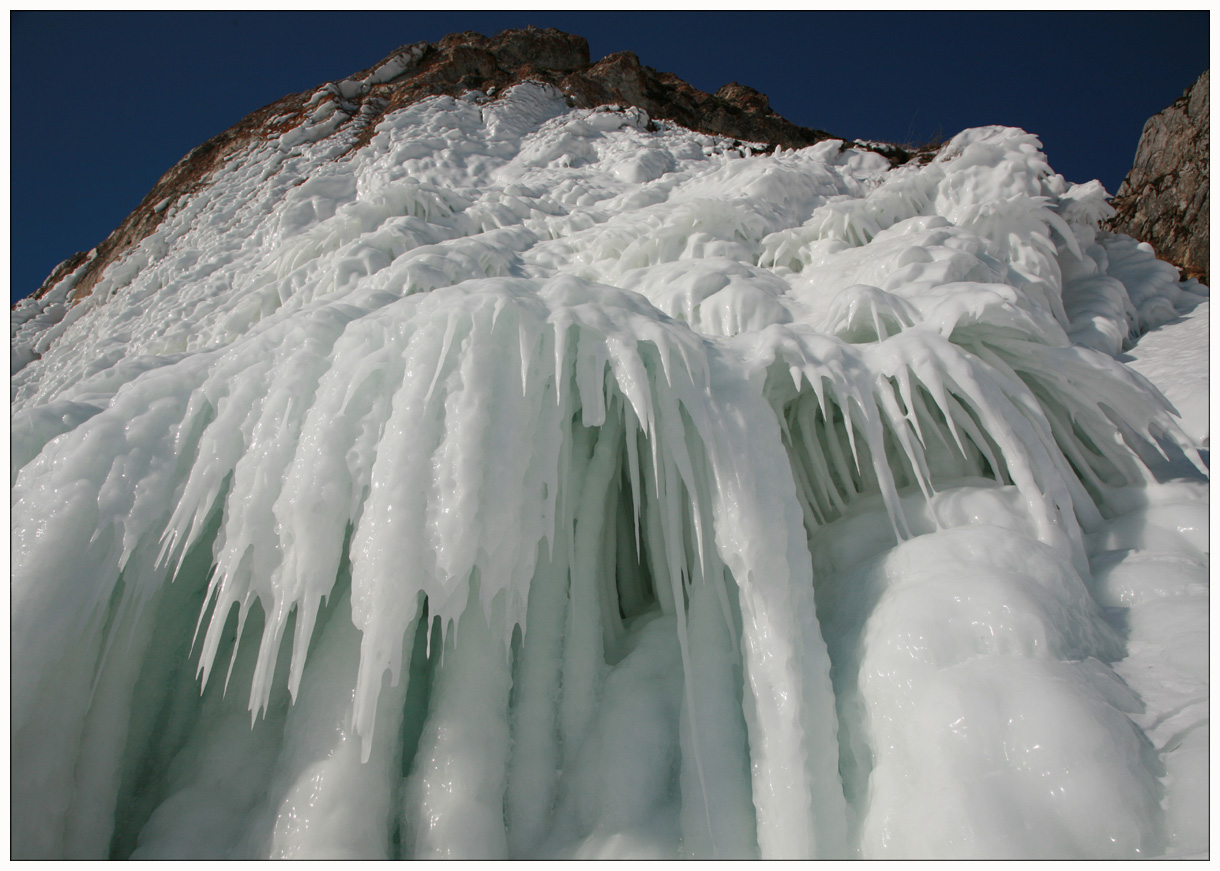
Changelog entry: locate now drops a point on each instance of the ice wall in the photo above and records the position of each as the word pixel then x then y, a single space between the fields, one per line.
pixel 538 482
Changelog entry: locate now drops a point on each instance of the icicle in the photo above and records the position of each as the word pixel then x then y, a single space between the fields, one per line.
pixel 583 651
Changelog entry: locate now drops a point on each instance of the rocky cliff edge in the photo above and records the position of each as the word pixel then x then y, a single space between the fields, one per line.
pixel 1164 200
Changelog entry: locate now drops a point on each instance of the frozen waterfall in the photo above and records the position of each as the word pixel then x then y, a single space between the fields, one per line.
pixel 538 482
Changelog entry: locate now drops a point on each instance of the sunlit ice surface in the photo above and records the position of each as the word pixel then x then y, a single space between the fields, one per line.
pixel 538 482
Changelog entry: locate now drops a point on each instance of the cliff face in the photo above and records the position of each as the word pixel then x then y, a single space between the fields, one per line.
pixel 1165 198
pixel 349 111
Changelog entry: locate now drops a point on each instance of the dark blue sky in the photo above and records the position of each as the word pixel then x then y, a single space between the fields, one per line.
pixel 103 103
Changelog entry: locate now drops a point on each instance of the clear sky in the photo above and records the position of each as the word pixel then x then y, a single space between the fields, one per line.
pixel 103 103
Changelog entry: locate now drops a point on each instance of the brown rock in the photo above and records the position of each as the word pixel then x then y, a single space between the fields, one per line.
pixel 745 97
pixel 462 62
pixel 466 37
pixel 548 49
pixel 1164 200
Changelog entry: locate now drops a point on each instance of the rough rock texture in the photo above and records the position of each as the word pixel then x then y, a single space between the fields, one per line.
pixel 1165 198
pixel 470 61
pixel 459 63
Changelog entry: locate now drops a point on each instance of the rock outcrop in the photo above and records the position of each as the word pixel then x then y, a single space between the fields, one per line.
pixel 458 64
pixel 1165 198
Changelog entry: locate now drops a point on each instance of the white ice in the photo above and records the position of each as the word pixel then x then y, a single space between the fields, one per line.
pixel 539 482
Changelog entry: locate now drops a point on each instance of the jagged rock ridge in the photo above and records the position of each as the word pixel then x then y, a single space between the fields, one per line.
pixel 1165 198
pixel 457 64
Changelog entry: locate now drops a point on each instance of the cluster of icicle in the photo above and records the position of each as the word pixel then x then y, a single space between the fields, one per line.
pixel 530 483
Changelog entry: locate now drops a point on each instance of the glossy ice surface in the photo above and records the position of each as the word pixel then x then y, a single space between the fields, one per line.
pixel 539 482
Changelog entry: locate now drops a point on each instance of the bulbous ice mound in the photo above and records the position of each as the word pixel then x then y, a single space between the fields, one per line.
pixel 546 482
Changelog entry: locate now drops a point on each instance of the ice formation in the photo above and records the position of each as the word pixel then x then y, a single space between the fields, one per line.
pixel 546 482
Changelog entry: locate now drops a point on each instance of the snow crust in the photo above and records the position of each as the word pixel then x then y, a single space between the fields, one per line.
pixel 1175 358
pixel 535 483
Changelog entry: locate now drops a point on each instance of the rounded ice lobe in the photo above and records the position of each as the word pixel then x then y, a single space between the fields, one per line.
pixel 514 481
pixel 646 165
pixel 861 313
pixel 716 296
